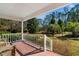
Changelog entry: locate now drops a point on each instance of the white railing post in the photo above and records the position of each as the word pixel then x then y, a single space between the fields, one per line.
pixel 22 29
pixel 51 45
pixel 45 43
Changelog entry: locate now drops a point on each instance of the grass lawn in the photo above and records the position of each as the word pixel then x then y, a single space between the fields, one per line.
pixel 66 47
pixel 2 43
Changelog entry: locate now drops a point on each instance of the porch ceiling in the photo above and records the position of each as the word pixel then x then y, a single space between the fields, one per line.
pixel 25 11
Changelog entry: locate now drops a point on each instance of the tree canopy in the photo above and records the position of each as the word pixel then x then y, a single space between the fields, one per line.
pixel 32 25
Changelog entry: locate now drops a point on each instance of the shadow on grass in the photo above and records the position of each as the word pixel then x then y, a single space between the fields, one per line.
pixel 69 37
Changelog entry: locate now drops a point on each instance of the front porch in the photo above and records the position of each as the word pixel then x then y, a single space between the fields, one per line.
pixel 25 44
pixel 23 48
pixel 31 45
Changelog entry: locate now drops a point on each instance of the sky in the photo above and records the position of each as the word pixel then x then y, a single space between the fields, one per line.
pixel 60 9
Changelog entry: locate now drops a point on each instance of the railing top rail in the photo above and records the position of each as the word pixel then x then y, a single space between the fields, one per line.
pixel 11 34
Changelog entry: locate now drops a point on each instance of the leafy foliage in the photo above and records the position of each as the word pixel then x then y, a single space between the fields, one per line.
pixel 69 26
pixel 10 25
pixel 52 20
pixel 54 28
pixel 32 25
pixel 60 22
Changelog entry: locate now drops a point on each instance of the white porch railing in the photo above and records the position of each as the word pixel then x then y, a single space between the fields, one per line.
pixel 42 40
pixel 9 38
pixel 39 39
pixel 48 43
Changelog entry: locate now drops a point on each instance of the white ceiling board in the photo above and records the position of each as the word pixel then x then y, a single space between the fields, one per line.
pixel 52 6
pixel 25 11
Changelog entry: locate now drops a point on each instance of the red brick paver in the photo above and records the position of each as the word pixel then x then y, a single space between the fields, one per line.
pixel 47 53
pixel 23 49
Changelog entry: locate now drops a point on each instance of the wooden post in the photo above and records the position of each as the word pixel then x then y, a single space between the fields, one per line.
pixel 13 51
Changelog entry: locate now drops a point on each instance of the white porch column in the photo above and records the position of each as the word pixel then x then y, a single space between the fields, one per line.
pixel 22 29
pixel 44 43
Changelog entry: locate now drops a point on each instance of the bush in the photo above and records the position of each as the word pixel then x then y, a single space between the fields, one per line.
pixel 66 47
pixel 54 28
pixel 4 32
pixel 69 26
pixel 77 27
pixel 73 27
pixel 33 25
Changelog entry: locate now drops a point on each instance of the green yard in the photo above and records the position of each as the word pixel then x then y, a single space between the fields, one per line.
pixel 66 46
pixel 2 43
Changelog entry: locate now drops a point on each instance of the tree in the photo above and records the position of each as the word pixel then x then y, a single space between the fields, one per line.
pixel 52 20
pixel 10 25
pixel 69 26
pixel 54 28
pixel 47 20
pixel 73 27
pixel 73 14
pixel 60 22
pixel 75 30
pixel 32 25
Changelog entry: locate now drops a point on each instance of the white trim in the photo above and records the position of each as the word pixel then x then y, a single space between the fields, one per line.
pixel 51 45
pixel 22 29
pixel 45 43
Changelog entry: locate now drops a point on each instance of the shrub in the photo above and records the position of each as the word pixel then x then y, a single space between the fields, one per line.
pixel 69 26
pixel 33 25
pixel 54 28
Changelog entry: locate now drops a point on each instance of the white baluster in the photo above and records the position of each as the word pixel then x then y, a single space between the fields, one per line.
pixel 16 38
pixel 6 39
pixel 10 38
pixel 51 45
pixel 45 43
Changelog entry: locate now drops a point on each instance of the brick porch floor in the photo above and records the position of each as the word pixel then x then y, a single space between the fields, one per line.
pixel 26 48
pixel 47 53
